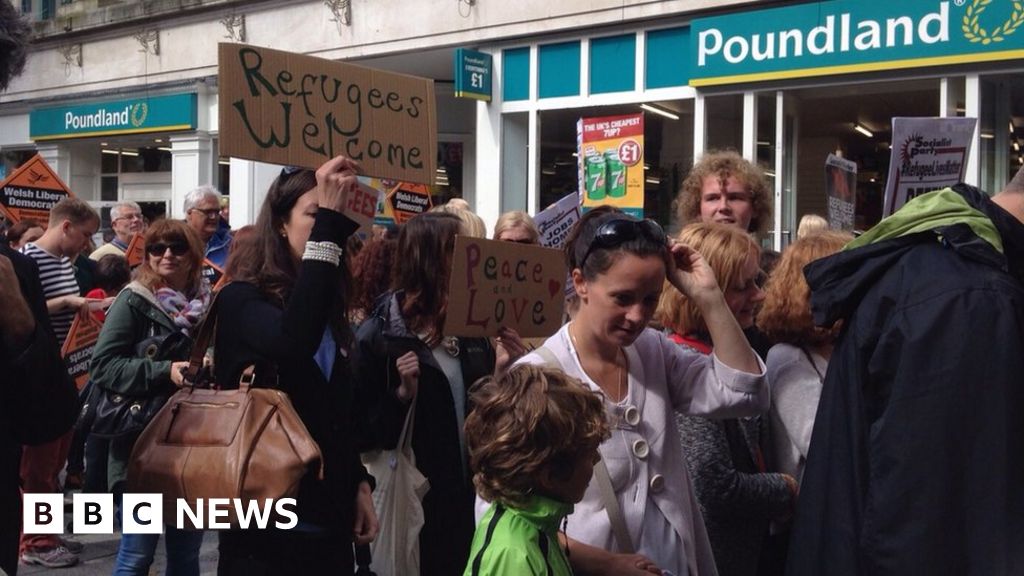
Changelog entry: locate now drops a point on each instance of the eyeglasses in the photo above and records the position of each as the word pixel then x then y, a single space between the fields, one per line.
pixel 160 248
pixel 129 217
pixel 209 213
pixel 617 232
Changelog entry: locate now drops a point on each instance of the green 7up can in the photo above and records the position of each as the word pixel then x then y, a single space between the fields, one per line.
pixel 616 173
pixel 595 177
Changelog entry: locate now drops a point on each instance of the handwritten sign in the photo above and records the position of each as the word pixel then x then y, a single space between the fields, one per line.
pixel 555 222
pixel 840 191
pixel 31 191
pixel 298 110
pixel 927 154
pixel 495 284
pixel 78 347
pixel 136 251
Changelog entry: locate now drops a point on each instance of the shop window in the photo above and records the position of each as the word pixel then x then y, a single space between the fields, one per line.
pixel 145 160
pixel 668 154
pixel 724 122
pixel 1001 130
pixel 515 74
pixel 664 66
pixel 449 172
pixel 613 64
pixel 559 70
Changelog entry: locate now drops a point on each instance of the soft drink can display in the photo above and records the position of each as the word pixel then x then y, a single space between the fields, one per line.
pixel 616 174
pixel 595 177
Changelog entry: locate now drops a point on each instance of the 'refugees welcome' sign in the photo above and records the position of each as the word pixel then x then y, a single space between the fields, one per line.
pixel 848 36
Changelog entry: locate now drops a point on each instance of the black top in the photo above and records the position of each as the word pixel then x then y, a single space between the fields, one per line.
pixel 253 328
pixel 38 401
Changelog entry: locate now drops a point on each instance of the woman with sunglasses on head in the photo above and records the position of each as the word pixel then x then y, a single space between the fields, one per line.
pixel 161 308
pixel 725 457
pixel 284 312
pixel 619 266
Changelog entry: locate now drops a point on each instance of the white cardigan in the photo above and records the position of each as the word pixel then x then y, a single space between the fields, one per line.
pixel 663 378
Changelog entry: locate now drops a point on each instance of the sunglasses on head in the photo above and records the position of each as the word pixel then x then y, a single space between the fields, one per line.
pixel 617 232
pixel 160 248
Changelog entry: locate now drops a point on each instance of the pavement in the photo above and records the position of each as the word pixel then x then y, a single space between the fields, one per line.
pixel 101 550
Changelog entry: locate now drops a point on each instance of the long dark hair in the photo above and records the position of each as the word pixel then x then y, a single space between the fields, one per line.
pixel 422 267
pixel 265 258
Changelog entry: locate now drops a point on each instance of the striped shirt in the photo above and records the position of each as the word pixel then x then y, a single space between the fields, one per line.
pixel 57 276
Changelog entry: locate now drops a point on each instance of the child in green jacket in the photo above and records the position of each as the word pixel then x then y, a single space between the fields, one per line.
pixel 532 437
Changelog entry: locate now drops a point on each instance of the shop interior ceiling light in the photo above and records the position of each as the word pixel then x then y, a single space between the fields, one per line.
pixel 660 111
pixel 863 130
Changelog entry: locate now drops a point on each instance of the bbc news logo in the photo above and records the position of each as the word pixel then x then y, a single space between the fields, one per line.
pixel 144 514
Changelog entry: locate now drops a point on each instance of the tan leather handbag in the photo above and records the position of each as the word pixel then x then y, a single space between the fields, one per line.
pixel 247 443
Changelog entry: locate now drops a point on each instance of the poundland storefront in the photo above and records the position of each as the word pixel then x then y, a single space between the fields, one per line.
pixel 786 86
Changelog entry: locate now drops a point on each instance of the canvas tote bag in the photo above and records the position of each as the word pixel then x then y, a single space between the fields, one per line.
pixel 398 501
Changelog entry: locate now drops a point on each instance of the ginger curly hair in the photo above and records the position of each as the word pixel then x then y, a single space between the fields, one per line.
pixel 530 420
pixel 723 164
pixel 785 315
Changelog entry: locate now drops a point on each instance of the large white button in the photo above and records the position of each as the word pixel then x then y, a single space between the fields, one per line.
pixel 657 483
pixel 631 415
pixel 641 449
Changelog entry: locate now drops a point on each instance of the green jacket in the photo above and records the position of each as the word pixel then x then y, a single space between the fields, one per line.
pixel 116 365
pixel 520 541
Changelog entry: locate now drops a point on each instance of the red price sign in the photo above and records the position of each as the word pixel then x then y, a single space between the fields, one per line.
pixel 630 152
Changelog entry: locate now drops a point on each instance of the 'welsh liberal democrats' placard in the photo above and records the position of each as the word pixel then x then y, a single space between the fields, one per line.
pixel 495 284
pixel 31 191
pixel 298 110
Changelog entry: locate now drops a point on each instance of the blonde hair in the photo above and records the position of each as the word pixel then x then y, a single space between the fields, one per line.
pixel 516 219
pixel 786 313
pixel 532 419
pixel 809 224
pixel 724 164
pixel 726 249
pixel 472 225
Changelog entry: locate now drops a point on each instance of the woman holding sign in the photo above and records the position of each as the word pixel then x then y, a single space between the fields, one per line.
pixel 285 309
pixel 639 514
pixel 404 356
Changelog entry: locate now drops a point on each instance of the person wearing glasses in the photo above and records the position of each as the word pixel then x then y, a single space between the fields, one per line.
pixel 126 220
pixel 163 307
pixel 725 457
pixel 202 212
pixel 619 266
pixel 516 226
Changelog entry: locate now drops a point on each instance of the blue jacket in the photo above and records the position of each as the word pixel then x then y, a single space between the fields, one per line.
pixel 218 246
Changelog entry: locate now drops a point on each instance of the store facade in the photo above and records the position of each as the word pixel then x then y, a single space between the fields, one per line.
pixel 784 85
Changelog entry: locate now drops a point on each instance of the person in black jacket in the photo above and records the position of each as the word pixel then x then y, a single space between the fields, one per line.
pixel 38 401
pixel 916 462
pixel 284 312
pixel 403 357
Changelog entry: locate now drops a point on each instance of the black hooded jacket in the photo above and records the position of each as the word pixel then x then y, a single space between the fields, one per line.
pixel 916 463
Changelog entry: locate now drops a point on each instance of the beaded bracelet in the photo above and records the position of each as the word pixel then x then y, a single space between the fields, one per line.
pixel 323 252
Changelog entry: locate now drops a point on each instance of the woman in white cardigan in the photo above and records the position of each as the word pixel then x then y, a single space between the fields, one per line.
pixel 619 265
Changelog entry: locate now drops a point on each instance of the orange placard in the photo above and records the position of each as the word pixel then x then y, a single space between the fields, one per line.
pixel 31 191
pixel 78 347
pixel 136 251
pixel 408 200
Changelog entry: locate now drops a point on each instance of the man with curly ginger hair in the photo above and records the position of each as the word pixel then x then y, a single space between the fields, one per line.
pixel 724 187
pixel 532 438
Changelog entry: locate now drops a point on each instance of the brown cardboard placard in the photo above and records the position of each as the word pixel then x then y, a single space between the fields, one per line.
pixel 136 251
pixel 78 347
pixel 31 191
pixel 495 284
pixel 287 108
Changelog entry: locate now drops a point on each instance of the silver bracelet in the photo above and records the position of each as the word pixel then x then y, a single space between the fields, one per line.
pixel 323 252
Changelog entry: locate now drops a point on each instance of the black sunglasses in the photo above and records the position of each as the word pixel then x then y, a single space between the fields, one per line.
pixel 617 232
pixel 160 248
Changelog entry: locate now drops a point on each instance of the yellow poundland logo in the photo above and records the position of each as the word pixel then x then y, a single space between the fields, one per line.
pixel 139 112
pixel 975 33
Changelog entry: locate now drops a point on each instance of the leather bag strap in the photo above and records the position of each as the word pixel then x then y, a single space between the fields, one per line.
pixel 204 336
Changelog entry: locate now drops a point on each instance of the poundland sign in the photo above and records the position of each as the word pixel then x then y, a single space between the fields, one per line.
pixel 136 116
pixel 847 36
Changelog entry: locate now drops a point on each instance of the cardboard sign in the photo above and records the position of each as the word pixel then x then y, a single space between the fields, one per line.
pixel 136 251
pixel 495 284
pixel 408 200
pixel 611 162
pixel 78 347
pixel 841 191
pixel 297 110
pixel 31 191
pixel 555 222
pixel 927 154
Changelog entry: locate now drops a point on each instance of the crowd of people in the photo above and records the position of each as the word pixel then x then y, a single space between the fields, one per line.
pixel 688 417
